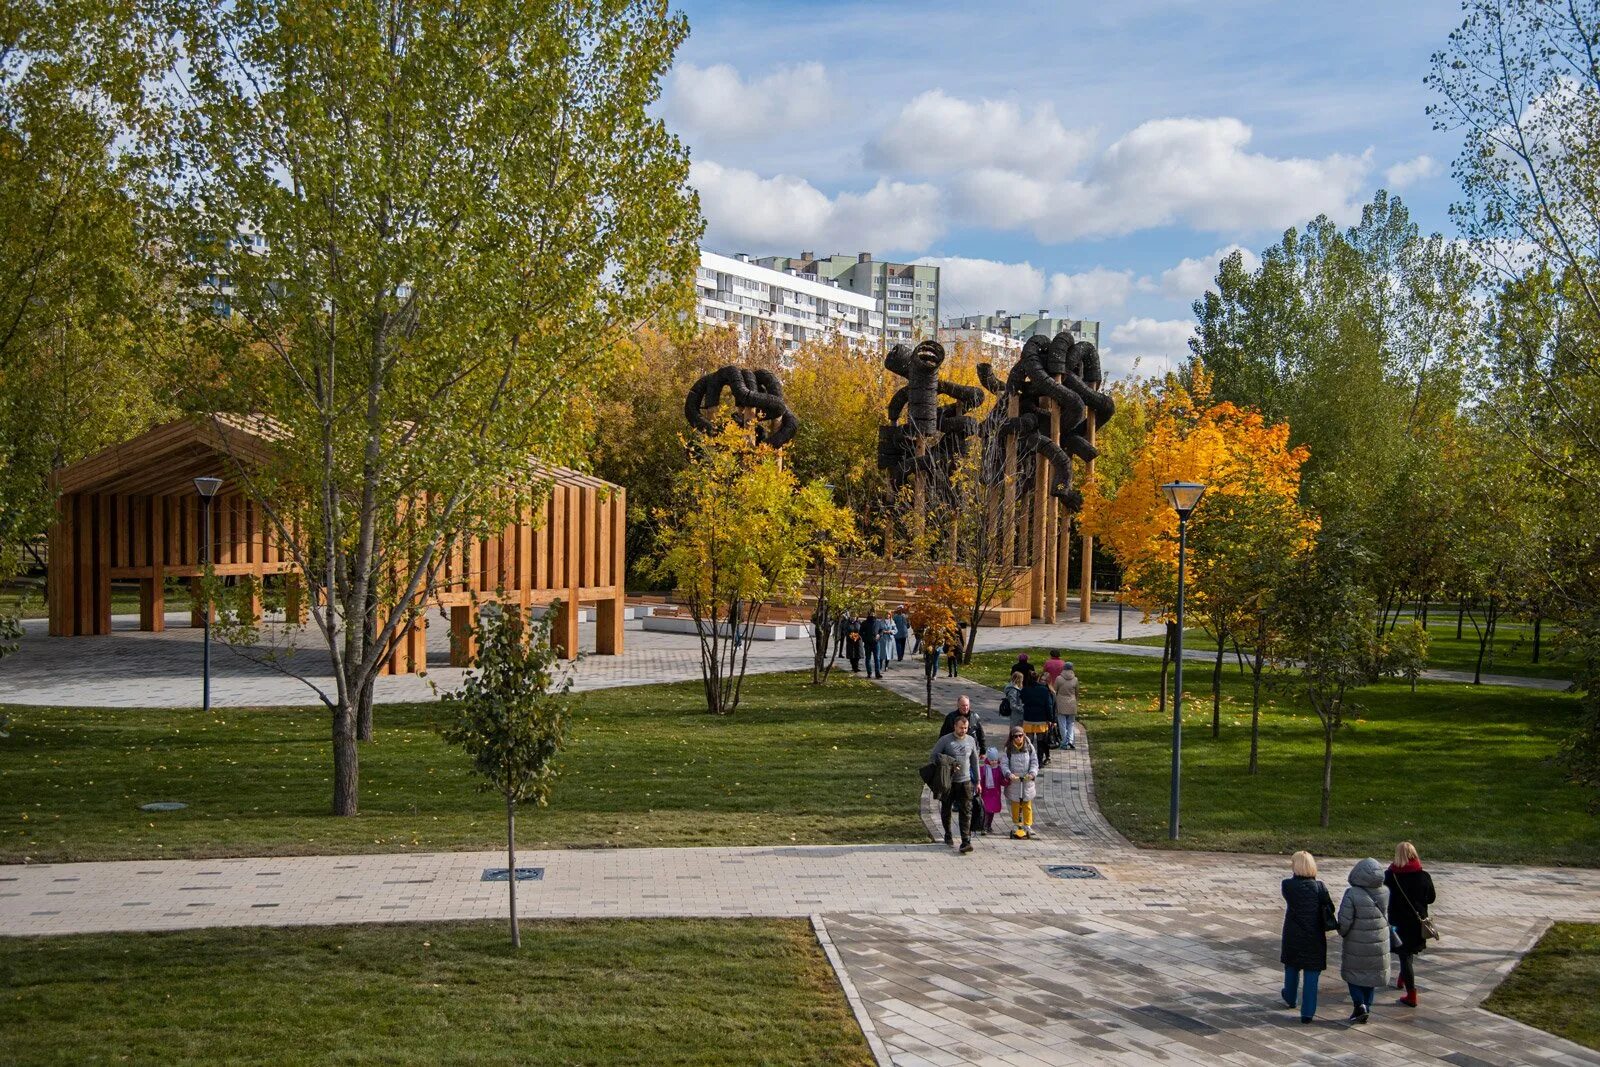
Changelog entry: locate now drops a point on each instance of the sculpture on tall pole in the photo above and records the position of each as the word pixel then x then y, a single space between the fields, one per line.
pixel 757 401
pixel 925 439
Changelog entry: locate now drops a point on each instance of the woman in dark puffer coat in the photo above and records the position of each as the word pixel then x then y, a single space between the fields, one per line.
pixel 1364 925
pixel 1305 937
pixel 1410 892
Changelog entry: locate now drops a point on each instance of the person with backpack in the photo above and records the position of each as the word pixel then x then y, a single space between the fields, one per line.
pixel 1011 700
pixel 1307 918
pixel 1364 925
pixel 1038 715
pixel 1410 892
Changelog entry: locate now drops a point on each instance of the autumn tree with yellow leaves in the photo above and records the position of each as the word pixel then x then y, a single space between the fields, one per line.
pixel 1250 526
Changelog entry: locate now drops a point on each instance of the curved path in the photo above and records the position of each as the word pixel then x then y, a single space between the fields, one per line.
pixel 1163 957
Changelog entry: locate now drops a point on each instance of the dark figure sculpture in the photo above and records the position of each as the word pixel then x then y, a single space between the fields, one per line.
pixel 945 428
pixel 757 398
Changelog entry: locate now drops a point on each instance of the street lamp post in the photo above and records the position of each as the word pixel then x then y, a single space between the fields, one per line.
pixel 207 488
pixel 1183 496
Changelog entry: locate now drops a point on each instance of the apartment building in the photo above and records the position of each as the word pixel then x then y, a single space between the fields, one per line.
pixel 907 294
pixel 795 307
pixel 1004 333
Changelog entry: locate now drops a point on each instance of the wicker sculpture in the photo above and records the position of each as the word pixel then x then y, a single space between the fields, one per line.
pixel 757 401
pixel 931 437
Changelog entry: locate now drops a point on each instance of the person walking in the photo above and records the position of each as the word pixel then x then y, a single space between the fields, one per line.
pixel 1364 925
pixel 853 643
pixel 1011 700
pixel 1038 715
pixel 1065 688
pixel 1411 891
pixel 952 659
pixel 902 630
pixel 886 640
pixel 1020 765
pixel 974 723
pixel 956 753
pixel 930 660
pixel 991 788
pixel 869 643
pixel 1307 918
pixel 1022 664
pixel 1053 666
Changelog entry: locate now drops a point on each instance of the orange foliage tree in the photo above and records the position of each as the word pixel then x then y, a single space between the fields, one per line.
pixel 1248 526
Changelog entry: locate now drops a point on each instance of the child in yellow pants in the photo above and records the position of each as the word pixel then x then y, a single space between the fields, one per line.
pixel 1020 765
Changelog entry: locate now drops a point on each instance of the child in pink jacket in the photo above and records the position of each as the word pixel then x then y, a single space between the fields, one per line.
pixel 991 787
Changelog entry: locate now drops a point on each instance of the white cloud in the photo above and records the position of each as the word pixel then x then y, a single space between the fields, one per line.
pixel 935 133
pixel 1191 172
pixel 1148 347
pixel 1411 172
pixel 1194 276
pixel 716 104
pixel 982 286
pixel 747 212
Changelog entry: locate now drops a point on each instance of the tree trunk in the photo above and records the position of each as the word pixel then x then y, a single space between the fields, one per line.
pixel 1537 619
pixel 1485 635
pixel 1216 684
pixel 1424 613
pixel 1327 771
pixel 511 867
pixel 364 710
pixel 346 757
pixel 1461 610
pixel 1255 696
pixel 1166 659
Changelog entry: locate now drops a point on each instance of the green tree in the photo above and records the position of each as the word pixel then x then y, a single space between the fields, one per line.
pixel 84 310
pixel 459 205
pixel 1521 82
pixel 510 716
pixel 1328 646
pixel 740 533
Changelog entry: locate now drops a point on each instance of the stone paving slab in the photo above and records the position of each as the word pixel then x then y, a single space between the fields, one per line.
pixel 1184 987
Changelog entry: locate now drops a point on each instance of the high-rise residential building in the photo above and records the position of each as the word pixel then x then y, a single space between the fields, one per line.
pixel 907 293
pixel 1005 333
pixel 795 307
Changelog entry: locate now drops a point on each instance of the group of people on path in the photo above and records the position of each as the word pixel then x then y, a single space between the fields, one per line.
pixel 1384 913
pixel 975 781
pixel 874 640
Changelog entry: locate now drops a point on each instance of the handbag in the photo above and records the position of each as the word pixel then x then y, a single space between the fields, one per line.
pixel 1330 918
pixel 1430 932
pixel 929 774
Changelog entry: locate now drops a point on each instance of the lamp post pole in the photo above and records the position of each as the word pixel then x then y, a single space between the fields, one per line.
pixel 207 488
pixel 1177 683
pixel 1184 498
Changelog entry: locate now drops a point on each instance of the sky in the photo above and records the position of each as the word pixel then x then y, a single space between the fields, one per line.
pixel 1093 159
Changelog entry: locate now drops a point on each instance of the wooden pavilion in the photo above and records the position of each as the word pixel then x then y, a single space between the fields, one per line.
pixel 131 513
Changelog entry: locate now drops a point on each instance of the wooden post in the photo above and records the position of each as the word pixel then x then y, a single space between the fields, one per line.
pixel 410 653
pixel 463 637
pixel 1054 595
pixel 295 608
pixel 1086 572
pixel 564 628
pixel 1036 526
pixel 153 602
pixel 1008 514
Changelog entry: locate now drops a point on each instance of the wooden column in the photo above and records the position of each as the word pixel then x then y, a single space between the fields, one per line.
pixel 410 653
pixel 1036 527
pixel 1054 596
pixel 1086 573
pixel 153 602
pixel 608 623
pixel 295 607
pixel 1008 513
pixel 564 626
pixel 463 636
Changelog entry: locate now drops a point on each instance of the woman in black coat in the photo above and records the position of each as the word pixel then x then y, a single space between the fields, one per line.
pixel 1038 713
pixel 1410 893
pixel 1305 934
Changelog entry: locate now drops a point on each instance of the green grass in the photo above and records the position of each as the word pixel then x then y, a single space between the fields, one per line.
pixel 643 766
pixel 1466 772
pixel 1546 989
pixel 618 991
pixel 1511 652
pixel 29 595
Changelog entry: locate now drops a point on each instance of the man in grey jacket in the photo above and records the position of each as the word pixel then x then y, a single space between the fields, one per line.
pixel 956 753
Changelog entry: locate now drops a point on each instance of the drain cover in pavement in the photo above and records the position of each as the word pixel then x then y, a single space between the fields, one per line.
pixel 524 874
pixel 164 805
pixel 1071 870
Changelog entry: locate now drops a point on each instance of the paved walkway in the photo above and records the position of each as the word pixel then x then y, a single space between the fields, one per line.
pixel 132 669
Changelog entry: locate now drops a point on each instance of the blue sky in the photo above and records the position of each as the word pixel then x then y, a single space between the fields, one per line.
pixel 1088 158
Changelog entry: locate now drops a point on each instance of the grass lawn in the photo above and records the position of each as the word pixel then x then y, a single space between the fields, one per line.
pixel 1511 653
pixel 643 766
pixel 1464 771
pixel 591 992
pixel 1546 988
pixel 29 595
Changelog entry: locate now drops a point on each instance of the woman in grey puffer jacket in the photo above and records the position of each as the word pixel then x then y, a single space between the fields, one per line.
pixel 1364 925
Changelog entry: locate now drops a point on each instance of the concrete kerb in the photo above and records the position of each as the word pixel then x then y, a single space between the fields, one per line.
pixel 858 1007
